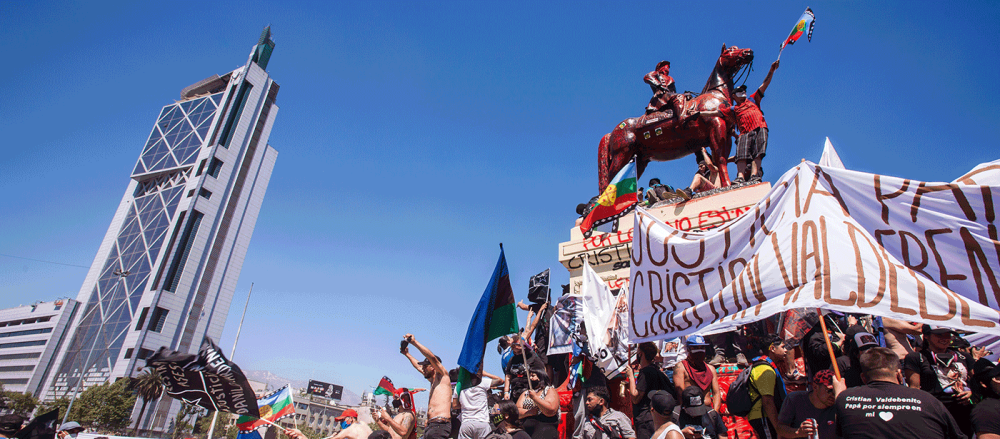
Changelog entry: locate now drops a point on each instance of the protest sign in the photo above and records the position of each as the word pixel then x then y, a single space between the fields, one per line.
pixel 828 238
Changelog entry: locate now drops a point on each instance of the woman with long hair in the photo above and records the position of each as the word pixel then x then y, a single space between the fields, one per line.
pixel 539 408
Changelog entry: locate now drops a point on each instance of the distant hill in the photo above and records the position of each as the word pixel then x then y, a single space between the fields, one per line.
pixel 274 381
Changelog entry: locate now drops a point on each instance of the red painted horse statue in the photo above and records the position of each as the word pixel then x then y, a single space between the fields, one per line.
pixel 658 137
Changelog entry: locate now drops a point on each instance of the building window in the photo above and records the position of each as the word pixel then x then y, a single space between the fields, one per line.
pixel 215 167
pixel 201 168
pixel 22 344
pixel 183 248
pixel 27 356
pixel 142 319
pixel 128 353
pixel 205 193
pixel 190 193
pixel 234 115
pixel 145 353
pixel 27 368
pixel 156 321
pixel 26 332
pixel 14 381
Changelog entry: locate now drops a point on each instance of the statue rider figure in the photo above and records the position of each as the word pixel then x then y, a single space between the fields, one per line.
pixel 664 91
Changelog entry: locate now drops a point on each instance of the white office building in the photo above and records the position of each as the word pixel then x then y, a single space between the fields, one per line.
pixel 167 269
pixel 29 338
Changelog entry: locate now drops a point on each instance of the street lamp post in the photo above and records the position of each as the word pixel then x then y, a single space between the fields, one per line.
pixel 86 364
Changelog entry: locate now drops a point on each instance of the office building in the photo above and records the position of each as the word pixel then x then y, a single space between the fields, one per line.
pixel 29 338
pixel 166 271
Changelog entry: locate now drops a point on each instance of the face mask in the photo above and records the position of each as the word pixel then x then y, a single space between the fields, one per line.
pixel 344 424
pixel 496 419
pixel 73 435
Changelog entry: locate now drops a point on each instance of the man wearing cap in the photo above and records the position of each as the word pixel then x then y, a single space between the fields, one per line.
pixel 751 145
pixel 856 341
pixel 883 408
pixel 69 430
pixel 604 422
pixel 694 371
pixel 438 424
pixel 10 424
pixel 696 419
pixel 403 425
pixel 943 372
pixel 664 91
pixel 650 378
pixel 662 406
pixel 350 428
pixel 816 405
pixel 985 421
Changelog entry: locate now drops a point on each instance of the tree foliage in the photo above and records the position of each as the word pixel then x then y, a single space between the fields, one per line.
pixel 149 387
pixel 106 408
pixel 18 403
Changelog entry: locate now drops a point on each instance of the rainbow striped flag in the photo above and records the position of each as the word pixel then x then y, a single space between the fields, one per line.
pixel 273 407
pixel 807 20
pixel 617 199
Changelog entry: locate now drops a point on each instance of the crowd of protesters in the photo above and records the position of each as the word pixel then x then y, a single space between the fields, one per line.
pixel 896 379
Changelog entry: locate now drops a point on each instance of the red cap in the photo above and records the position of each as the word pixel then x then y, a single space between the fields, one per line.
pixel 349 413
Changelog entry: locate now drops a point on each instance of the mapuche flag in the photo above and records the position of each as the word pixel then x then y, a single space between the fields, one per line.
pixel 385 387
pixel 495 316
pixel 807 20
pixel 206 380
pixel 272 407
pixel 618 199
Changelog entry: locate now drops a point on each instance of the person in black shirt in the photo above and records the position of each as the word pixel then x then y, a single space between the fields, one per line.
pixel 883 408
pixel 697 419
pixel 813 345
pixel 650 378
pixel 943 372
pixel 516 374
pixel 856 341
pixel 986 384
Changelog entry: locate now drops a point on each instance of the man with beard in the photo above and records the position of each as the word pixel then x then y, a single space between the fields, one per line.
pixel 650 378
pixel 402 425
pixel 439 402
pixel 694 371
pixel 604 422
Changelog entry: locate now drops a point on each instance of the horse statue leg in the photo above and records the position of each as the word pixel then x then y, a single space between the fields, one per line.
pixel 719 143
pixel 604 175
pixel 614 152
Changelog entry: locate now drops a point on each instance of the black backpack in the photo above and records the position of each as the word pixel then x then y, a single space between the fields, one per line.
pixel 738 400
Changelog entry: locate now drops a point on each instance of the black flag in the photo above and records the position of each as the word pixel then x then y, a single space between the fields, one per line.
pixel 538 288
pixel 42 427
pixel 206 380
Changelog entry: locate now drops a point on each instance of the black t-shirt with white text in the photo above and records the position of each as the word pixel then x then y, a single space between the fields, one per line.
pixel 882 409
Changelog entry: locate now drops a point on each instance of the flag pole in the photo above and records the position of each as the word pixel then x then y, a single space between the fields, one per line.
pixel 291 398
pixel 215 415
pixel 829 346
pixel 524 355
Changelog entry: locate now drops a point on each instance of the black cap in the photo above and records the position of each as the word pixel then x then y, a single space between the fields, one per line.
pixel 10 424
pixel 662 402
pixel 984 370
pixel 940 330
pixel 693 402
pixel 742 88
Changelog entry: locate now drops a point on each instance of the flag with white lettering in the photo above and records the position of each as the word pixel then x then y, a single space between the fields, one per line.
pixel 829 238
pixel 206 380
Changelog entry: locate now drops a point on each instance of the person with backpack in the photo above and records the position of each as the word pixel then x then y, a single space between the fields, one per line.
pixel 757 393
pixel 943 372
pixel 604 422
pixel 696 419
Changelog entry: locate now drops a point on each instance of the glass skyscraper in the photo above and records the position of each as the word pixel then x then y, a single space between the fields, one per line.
pixel 167 269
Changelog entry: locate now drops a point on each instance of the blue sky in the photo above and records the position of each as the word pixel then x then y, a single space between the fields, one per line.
pixel 416 136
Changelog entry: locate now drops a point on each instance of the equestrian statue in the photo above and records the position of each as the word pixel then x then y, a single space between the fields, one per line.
pixel 674 127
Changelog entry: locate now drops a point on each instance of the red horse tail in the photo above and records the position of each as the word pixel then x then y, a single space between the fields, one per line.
pixel 604 163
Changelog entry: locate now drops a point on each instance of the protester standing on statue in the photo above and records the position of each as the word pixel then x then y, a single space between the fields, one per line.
pixel 751 145
pixel 473 402
pixel 650 378
pixel 943 372
pixel 403 425
pixel 438 424
pixel 804 413
pixel 604 422
pixel 909 413
pixel 695 371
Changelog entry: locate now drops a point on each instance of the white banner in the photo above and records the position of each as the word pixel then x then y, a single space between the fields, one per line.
pixel 829 238
pixel 564 324
pixel 600 317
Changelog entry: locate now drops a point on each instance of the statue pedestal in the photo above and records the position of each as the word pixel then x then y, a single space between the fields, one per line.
pixel 610 253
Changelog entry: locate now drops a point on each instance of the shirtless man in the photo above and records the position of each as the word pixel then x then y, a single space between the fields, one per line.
pixel 695 371
pixel 402 425
pixel 439 402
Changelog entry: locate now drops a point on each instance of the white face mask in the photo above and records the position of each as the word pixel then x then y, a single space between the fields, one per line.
pixel 73 435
